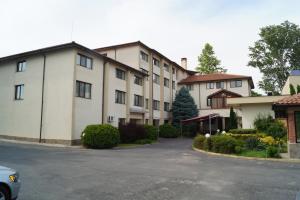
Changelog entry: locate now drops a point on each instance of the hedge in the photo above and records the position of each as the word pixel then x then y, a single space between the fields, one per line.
pixel 152 132
pixel 243 131
pixel 102 136
pixel 168 131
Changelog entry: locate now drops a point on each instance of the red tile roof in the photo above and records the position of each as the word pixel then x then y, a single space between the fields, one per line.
pixel 290 100
pixel 214 77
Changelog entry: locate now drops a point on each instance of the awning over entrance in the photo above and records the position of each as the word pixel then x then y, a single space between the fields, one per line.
pixel 200 118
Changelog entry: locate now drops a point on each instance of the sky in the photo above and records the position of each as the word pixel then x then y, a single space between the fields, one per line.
pixel 176 28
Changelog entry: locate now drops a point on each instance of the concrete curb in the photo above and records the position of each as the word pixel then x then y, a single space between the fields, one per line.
pixel 41 144
pixel 246 158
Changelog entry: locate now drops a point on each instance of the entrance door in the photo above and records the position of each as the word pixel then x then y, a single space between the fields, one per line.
pixel 297 126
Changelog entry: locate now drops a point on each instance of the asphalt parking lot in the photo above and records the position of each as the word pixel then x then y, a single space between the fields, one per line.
pixel 167 170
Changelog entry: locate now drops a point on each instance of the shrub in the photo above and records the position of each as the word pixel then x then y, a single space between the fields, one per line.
pixel 243 131
pixel 269 140
pixel 276 129
pixel 273 152
pixel 207 144
pixel 199 141
pixel 132 132
pixel 238 149
pixel 252 143
pixel 100 136
pixel 168 131
pixel 242 136
pixel 262 122
pixel 151 131
pixel 223 144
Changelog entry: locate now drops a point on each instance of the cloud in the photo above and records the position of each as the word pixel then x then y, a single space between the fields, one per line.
pixel 176 28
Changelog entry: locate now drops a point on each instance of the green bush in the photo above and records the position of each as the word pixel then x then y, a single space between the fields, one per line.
pixel 273 152
pixel 238 149
pixel 168 131
pixel 276 130
pixel 243 131
pixel 152 132
pixel 102 136
pixel 243 137
pixel 223 144
pixel 252 143
pixel 262 122
pixel 207 144
pixel 199 141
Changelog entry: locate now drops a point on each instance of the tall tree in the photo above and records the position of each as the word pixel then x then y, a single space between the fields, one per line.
pixel 184 107
pixel 208 62
pixel 232 119
pixel 255 94
pixel 275 54
pixel 292 90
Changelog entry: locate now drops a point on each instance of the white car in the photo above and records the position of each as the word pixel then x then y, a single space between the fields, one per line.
pixel 9 184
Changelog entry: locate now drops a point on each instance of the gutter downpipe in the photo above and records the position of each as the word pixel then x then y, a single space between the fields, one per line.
pixel 103 88
pixel 42 103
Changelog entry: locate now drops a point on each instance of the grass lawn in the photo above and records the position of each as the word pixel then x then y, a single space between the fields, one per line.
pixel 253 153
pixel 129 145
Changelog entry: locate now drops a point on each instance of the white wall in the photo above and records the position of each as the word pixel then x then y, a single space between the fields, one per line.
pixel 250 111
pixel 88 111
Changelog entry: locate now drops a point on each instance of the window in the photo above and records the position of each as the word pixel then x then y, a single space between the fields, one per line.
pixel 219 102
pixel 144 56
pixel 190 87
pixel 173 85
pixel 155 105
pixel 166 67
pixel 21 66
pixel 208 101
pixel 235 83
pixel 210 85
pixel 120 97
pixel 144 71
pixel 297 126
pixel 147 103
pixel 138 80
pixel 173 70
pixel 19 92
pixel 120 74
pixel 138 100
pixel 166 106
pixel 220 85
pixel 155 62
pixel 84 61
pixel 156 78
pixel 166 82
pixel 83 89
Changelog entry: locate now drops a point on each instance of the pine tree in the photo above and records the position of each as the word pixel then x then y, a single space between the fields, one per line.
pixel 184 107
pixel 292 90
pixel 208 62
pixel 232 119
pixel 298 89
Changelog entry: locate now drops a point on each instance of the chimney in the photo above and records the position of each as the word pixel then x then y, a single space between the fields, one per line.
pixel 184 63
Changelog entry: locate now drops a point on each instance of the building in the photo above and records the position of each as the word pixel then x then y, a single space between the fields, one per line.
pixel 289 107
pixel 210 93
pixel 250 107
pixel 51 94
pixel 161 84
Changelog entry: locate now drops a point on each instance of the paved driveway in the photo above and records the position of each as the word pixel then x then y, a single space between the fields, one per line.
pixel 167 170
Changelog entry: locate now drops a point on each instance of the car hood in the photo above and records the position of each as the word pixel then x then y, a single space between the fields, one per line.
pixel 6 169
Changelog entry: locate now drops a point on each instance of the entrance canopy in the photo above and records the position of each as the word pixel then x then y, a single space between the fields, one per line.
pixel 200 118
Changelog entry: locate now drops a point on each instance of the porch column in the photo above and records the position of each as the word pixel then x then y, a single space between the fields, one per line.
pixel 223 123
pixel 291 127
